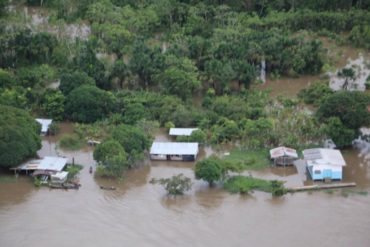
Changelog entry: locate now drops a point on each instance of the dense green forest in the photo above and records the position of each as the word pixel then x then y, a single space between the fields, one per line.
pixel 182 63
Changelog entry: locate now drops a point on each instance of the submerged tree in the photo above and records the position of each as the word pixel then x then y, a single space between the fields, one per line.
pixel 210 170
pixel 112 159
pixel 175 185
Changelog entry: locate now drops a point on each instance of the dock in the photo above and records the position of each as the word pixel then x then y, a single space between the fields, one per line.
pixel 321 187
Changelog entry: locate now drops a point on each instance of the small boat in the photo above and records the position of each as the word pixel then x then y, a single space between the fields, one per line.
pixel 108 188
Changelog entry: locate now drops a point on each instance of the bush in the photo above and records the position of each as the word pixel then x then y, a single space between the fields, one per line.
pixel 315 93
pixel 176 185
pixel 70 142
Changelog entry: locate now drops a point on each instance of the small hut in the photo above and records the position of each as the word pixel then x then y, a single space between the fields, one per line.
pixel 283 156
pixel 45 124
pixel 324 164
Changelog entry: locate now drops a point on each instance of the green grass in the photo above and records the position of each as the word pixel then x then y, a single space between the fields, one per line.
pixel 250 159
pixel 244 184
pixel 70 142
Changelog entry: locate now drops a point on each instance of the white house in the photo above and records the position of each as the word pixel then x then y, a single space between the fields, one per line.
pixel 324 163
pixel 174 151
pixel 45 124
pixel 181 131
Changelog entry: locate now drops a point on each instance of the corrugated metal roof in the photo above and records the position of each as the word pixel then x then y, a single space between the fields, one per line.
pixel 45 123
pixel 52 163
pixel 181 131
pixel 324 156
pixel 60 175
pixel 283 151
pixel 174 148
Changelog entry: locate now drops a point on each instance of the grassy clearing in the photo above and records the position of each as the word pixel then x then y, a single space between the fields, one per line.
pixel 250 159
pixel 244 185
pixel 70 142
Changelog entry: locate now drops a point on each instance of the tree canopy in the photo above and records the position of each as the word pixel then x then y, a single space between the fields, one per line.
pixel 19 136
pixel 87 104
pixel 350 107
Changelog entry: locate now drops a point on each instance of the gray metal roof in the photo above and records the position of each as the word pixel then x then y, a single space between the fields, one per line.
pixel 181 131
pixel 283 151
pixel 45 123
pixel 47 163
pixel 52 163
pixel 174 148
pixel 324 156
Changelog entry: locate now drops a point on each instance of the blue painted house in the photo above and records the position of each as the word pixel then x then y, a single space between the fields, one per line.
pixel 324 163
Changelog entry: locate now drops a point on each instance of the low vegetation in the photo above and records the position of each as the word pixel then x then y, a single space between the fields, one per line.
pixel 249 159
pixel 70 142
pixel 246 184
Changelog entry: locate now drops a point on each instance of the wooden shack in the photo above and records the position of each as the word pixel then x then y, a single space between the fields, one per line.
pixel 283 156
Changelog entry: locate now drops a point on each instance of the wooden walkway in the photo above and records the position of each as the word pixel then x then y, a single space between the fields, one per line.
pixel 321 187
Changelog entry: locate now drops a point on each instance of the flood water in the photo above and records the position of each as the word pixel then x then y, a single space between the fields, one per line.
pixel 140 214
pixel 337 56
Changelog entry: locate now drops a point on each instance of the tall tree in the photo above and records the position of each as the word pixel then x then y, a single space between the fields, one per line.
pixel 19 136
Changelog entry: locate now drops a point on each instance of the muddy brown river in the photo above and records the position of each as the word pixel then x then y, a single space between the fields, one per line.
pixel 140 214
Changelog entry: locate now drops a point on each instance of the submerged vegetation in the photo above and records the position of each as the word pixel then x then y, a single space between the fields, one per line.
pixel 70 142
pixel 245 185
pixel 175 185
